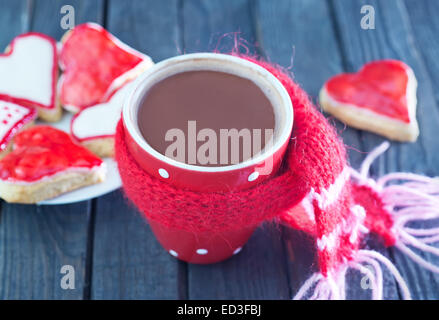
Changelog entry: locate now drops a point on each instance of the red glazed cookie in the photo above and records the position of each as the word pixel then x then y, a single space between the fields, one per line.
pixel 29 74
pixel 13 119
pixel 380 98
pixel 45 163
pixel 95 65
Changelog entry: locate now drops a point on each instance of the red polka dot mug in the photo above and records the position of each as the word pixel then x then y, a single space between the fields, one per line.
pixel 208 248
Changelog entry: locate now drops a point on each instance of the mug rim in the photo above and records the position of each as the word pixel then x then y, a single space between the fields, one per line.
pixel 134 97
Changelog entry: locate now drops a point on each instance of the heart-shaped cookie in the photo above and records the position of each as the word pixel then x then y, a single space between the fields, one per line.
pixel 95 65
pixel 380 98
pixel 13 118
pixel 44 163
pixel 29 74
pixel 94 127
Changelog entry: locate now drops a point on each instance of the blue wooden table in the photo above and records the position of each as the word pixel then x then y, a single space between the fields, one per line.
pixel 111 248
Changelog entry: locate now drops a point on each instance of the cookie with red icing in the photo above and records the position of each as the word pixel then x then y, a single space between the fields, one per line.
pixel 380 98
pixel 95 64
pixel 44 163
pixel 13 119
pixel 29 74
pixel 95 127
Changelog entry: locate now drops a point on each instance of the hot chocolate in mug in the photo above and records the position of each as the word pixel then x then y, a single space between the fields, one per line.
pixel 182 118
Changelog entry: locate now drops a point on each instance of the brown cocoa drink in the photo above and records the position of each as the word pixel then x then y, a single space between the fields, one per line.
pixel 206 118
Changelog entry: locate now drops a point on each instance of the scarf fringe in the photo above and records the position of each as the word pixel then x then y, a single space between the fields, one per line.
pixel 408 198
pixel 416 199
pixel 319 287
pixel 333 286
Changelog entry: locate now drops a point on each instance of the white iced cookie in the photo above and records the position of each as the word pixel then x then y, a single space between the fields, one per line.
pixel 29 74
pixel 13 119
pixel 94 127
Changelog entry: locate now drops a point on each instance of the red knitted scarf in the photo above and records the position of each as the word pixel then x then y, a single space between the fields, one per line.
pixel 314 191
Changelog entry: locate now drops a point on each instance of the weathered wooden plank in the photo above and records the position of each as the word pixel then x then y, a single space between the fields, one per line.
pixel 37 241
pixel 283 41
pixel 310 50
pixel 47 15
pixel 258 272
pixel 393 38
pixel 150 26
pixel 425 28
pixel 215 25
pixel 312 53
pixel 15 19
pixel 128 263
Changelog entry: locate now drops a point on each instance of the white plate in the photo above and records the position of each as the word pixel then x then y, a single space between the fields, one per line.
pixel 111 183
